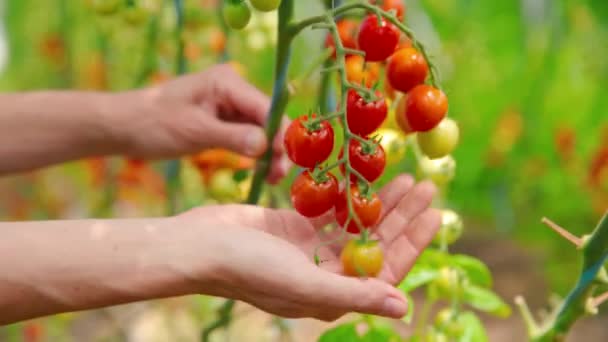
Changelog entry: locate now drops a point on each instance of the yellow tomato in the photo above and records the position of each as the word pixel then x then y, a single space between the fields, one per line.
pixel 394 144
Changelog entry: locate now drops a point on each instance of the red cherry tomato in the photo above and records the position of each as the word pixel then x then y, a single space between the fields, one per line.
pixel 425 107
pixel 365 117
pixel 392 5
pixel 305 147
pixel 347 30
pixel 370 164
pixel 362 258
pixel 377 41
pixel 406 69
pixel 366 208
pixel 312 198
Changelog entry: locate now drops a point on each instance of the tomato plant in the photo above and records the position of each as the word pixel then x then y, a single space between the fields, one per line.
pixel 366 209
pixel 313 194
pixel 347 30
pixel 406 69
pixel 362 258
pixel 265 5
pixel 425 107
pixel 441 140
pixel 308 141
pixel 237 14
pixel 365 116
pixel 368 159
pixel 377 38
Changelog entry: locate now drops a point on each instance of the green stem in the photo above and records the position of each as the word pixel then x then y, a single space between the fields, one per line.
pixel 173 168
pixel 595 254
pixel 150 59
pixel 280 96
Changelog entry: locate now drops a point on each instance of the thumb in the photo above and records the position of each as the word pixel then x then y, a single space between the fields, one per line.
pixel 367 296
pixel 246 139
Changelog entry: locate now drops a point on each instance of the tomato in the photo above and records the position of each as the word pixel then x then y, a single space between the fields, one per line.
pixel 394 145
pixel 135 16
pixel 309 147
pixel 359 72
pixel 406 69
pixel 393 5
pixel 222 186
pixel 106 7
pixel 369 160
pixel 265 5
pixel 425 107
pixel 448 283
pixel 400 116
pixel 441 171
pixel 236 14
pixel 451 228
pixel 365 117
pixel 377 41
pixel 362 258
pixel 366 208
pixel 447 322
pixel 346 30
pixel 311 197
pixel 441 140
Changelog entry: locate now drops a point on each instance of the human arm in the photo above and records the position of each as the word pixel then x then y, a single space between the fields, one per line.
pixel 51 267
pixel 215 108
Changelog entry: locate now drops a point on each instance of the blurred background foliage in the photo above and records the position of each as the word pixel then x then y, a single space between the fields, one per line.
pixel 526 80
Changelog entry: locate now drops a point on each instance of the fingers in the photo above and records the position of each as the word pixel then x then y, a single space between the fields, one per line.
pixel 245 139
pixel 240 96
pixel 401 254
pixel 335 294
pixel 417 200
pixel 389 195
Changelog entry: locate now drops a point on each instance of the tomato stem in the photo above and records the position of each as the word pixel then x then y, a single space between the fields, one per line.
pixel 173 168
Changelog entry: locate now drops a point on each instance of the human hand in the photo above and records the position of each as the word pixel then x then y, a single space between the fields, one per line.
pixel 271 266
pixel 215 108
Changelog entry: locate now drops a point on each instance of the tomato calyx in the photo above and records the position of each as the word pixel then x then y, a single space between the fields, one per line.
pixel 319 175
pixel 365 190
pixel 369 147
pixel 313 123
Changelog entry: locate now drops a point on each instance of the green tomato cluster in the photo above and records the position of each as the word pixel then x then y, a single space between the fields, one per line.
pixel 237 13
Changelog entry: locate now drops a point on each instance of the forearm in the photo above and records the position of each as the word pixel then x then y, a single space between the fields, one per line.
pixel 42 128
pixel 60 266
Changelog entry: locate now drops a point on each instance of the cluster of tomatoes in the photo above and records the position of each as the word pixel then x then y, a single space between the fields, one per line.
pixel 421 109
pixel 237 13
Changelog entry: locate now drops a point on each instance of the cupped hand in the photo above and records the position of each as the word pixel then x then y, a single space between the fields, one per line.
pixel 214 108
pixel 271 266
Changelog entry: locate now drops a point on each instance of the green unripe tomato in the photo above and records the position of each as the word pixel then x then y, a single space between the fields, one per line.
pixel 440 171
pixel 106 7
pixel 222 186
pixel 448 284
pixel 237 14
pixel 135 16
pixel 265 5
pixel 441 140
pixel 451 228
pixel 447 322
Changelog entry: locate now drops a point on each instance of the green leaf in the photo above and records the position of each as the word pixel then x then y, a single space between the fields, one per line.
pixel 240 175
pixel 418 276
pixel 473 328
pixel 487 301
pixel 348 332
pixel 476 270
pixel 410 309
pixel 344 332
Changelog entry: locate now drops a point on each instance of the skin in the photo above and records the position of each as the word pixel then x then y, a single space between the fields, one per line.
pixel 257 255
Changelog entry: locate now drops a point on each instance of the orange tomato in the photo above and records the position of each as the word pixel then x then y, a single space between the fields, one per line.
pixel 359 72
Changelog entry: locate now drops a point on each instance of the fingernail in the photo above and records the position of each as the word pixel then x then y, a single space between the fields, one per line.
pixel 394 307
pixel 255 143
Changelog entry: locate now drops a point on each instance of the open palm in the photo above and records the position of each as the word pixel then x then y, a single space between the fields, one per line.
pixel 271 266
